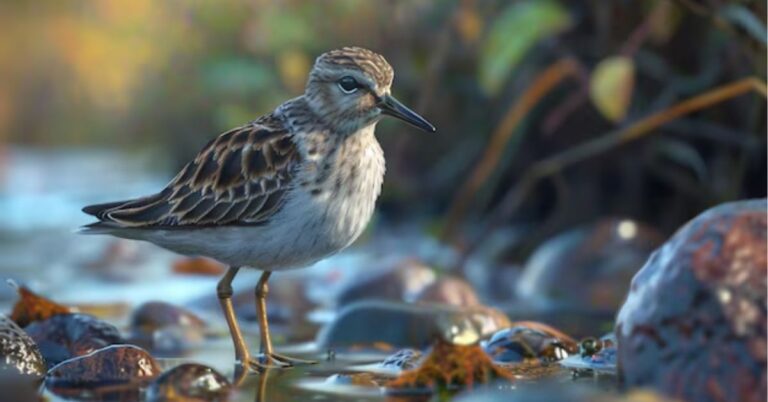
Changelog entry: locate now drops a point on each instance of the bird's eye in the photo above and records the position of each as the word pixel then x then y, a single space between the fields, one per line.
pixel 348 84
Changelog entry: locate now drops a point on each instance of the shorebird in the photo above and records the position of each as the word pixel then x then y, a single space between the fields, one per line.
pixel 281 192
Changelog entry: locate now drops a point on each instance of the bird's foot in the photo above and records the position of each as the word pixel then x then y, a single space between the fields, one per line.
pixel 273 360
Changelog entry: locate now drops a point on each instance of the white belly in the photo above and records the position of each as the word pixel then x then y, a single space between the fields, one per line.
pixel 306 229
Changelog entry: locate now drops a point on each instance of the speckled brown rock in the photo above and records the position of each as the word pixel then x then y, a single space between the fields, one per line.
pixel 589 267
pixel 449 290
pixel 694 323
pixel 18 352
pixel 191 383
pixel 65 336
pixel 116 364
pixel 165 328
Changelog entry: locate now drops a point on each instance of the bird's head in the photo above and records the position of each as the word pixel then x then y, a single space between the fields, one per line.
pixel 349 89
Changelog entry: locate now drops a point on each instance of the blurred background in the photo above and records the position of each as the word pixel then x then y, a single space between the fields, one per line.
pixel 573 136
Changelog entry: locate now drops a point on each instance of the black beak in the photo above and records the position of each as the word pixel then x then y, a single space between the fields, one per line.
pixel 392 107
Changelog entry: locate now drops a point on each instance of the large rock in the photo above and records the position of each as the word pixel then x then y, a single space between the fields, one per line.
pixel 588 267
pixel 694 323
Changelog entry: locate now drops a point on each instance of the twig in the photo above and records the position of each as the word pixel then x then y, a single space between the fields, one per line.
pixel 602 143
pixel 542 85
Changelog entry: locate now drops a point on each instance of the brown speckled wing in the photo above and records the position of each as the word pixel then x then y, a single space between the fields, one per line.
pixel 239 178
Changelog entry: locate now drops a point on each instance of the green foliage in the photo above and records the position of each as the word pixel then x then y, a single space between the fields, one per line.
pixel 519 27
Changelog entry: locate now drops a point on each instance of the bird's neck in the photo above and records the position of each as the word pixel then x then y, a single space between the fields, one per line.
pixel 299 115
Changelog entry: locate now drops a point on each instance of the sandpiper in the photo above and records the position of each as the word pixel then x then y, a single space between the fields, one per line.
pixel 281 192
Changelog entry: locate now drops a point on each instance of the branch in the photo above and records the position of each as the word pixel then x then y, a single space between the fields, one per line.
pixel 602 143
pixel 542 85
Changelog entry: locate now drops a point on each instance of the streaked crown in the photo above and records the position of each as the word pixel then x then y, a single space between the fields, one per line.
pixel 371 64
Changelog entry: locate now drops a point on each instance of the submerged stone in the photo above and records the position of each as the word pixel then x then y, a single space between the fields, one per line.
pixel 694 323
pixel 62 337
pixel 18 352
pixel 189 382
pixel 166 329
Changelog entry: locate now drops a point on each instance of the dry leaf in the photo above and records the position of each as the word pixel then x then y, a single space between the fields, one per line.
pixel 32 307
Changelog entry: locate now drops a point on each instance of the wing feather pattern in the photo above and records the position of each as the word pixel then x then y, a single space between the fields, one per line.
pixel 239 178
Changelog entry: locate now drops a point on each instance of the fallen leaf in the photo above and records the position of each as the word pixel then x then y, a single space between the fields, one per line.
pixel 611 86
pixel 32 307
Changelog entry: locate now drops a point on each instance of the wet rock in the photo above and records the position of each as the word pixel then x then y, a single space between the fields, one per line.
pixel 166 329
pixel 189 382
pixel 32 307
pixel 114 372
pixel 449 290
pixel 595 356
pixel 62 337
pixel 409 325
pixel 198 266
pixel 521 343
pixel 449 367
pixel 694 323
pixel 404 359
pixel 357 379
pixel 18 352
pixel 550 391
pixel 588 267
pixel 399 282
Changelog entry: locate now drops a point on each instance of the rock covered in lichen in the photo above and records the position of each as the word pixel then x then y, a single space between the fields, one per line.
pixel 18 352
pixel 694 323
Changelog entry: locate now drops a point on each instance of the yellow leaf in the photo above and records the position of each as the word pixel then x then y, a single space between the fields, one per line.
pixel 611 85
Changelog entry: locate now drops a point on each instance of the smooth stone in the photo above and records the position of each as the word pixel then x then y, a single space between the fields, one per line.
pixel 409 325
pixel 401 281
pixel 18 352
pixel 694 324
pixel 65 336
pixel 166 329
pixel 589 267
pixel 449 290
pixel 189 382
